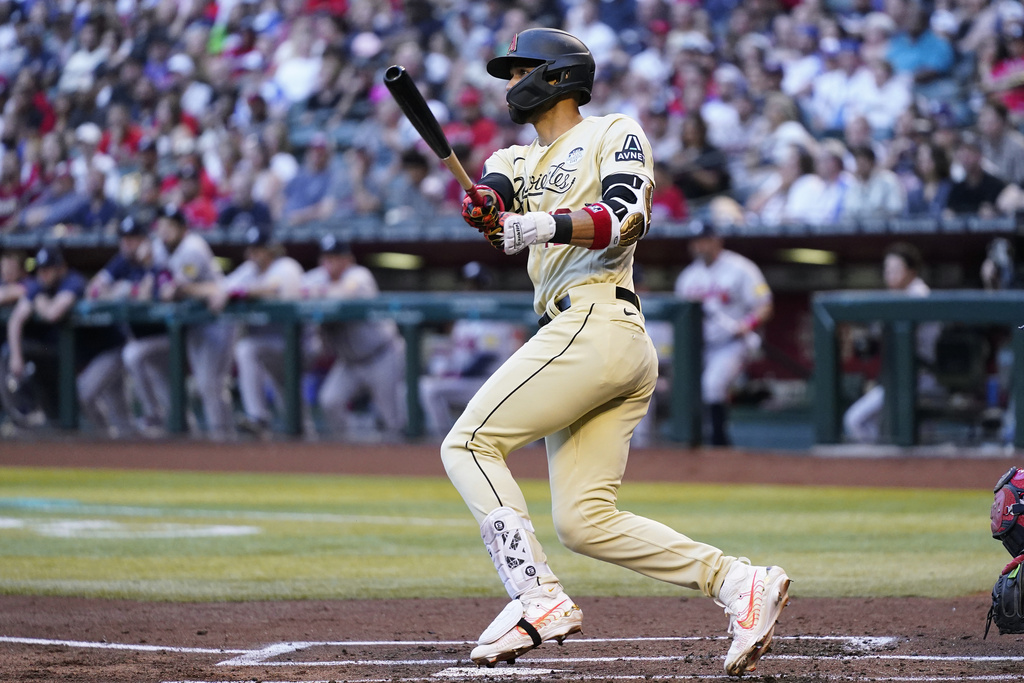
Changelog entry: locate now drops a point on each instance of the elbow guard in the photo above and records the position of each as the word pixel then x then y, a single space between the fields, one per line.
pixel 623 216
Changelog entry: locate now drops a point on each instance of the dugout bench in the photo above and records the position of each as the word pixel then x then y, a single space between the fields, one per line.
pixel 410 310
pixel 899 314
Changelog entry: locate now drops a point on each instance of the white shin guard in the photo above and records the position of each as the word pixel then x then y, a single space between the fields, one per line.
pixel 506 535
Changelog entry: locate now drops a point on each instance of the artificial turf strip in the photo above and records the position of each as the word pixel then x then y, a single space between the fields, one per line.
pixel 201 536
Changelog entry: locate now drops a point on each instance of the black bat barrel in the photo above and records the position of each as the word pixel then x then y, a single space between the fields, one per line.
pixel 412 104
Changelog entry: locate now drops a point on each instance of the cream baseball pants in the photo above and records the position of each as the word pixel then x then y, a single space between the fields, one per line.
pixel 583 382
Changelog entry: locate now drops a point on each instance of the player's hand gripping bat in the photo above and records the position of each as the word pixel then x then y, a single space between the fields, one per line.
pixel 412 104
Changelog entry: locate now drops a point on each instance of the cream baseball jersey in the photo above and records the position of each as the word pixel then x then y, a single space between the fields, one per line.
pixel 570 173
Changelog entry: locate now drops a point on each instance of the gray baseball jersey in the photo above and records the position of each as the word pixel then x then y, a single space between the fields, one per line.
pixel 359 339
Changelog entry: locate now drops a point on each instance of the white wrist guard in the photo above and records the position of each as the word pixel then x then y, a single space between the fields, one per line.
pixel 535 227
pixel 506 535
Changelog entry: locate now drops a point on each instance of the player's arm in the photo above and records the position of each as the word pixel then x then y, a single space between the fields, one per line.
pixel 15 327
pixel 762 308
pixel 52 309
pixel 100 285
pixel 759 316
pixel 621 218
pixel 11 292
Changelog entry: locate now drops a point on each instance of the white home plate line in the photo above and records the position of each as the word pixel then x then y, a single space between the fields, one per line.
pixel 260 656
pixel 121 646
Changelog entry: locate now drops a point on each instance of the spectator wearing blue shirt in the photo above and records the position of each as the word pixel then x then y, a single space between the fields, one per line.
pixel 244 211
pixel 99 214
pixel 919 53
pixel 307 196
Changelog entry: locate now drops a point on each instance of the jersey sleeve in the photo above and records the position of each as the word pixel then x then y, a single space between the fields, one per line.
pixel 627 178
pixel 757 289
pixel 499 170
pixel 626 149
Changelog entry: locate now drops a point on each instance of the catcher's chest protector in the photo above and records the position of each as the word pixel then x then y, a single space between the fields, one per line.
pixel 1007 508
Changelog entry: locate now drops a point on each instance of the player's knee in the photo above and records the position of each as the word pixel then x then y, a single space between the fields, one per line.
pixel 578 531
pixel 245 351
pixel 130 355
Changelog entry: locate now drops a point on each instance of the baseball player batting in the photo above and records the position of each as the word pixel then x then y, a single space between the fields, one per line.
pixel 578 198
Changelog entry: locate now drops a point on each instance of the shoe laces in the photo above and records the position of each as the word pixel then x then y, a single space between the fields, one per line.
pixel 742 588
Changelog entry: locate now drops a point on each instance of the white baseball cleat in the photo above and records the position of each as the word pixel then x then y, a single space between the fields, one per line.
pixel 542 613
pixel 753 597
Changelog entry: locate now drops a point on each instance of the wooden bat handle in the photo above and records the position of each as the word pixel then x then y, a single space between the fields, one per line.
pixel 455 166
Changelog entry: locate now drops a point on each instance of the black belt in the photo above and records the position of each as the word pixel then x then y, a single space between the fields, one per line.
pixel 564 303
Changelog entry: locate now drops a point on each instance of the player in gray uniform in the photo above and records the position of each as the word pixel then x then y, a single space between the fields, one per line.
pixel 129 276
pixel 736 301
pixel 370 354
pixel 266 274
pixel 476 348
pixel 186 266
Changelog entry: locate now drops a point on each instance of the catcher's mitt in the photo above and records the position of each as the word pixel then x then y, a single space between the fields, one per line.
pixel 1007 508
pixel 1007 609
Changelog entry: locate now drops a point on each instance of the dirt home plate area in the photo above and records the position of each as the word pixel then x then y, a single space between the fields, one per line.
pixel 658 639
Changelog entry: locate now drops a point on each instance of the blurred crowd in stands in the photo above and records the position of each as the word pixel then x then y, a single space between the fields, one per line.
pixel 273 113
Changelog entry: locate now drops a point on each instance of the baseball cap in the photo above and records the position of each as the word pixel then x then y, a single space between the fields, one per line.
pixel 130 227
pixel 698 228
pixel 181 64
pixel 329 244
pixel 829 45
pixel 89 133
pixel 48 257
pixel 258 237
pixel 318 140
pixel 174 213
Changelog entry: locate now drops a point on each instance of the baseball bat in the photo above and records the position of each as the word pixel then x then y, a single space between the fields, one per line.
pixel 412 104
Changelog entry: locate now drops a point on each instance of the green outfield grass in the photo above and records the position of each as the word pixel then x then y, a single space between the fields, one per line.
pixel 189 536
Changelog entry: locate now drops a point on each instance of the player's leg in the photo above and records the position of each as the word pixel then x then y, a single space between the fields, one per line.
pixel 436 415
pixel 862 420
pixel 101 392
pixel 545 386
pixel 443 395
pixel 209 353
pixel 259 358
pixel 586 464
pixel 145 360
pixel 384 378
pixel 338 388
pixel 722 365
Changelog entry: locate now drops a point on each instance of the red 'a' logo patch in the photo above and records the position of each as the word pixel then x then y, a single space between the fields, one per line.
pixel 515 39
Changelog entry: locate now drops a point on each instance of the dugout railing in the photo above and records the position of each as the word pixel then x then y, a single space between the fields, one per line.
pixel 899 315
pixel 410 310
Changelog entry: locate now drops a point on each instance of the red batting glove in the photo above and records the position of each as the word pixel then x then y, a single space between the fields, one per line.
pixel 485 216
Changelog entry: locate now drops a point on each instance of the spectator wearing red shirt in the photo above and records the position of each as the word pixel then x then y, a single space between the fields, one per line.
pixel 1002 69
pixel 668 202
pixel 120 140
pixel 200 211
pixel 12 192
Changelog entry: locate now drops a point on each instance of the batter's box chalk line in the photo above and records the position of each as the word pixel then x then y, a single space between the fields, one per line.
pixel 856 648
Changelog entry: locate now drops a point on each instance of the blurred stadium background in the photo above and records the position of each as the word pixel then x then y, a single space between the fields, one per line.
pixel 213 105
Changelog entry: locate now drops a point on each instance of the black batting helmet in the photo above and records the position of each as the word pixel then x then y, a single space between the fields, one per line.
pixel 557 56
